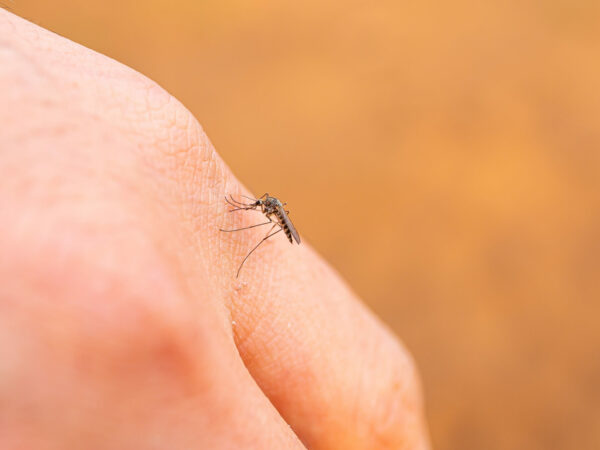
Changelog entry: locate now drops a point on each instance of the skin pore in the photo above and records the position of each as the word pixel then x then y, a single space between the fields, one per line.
pixel 121 322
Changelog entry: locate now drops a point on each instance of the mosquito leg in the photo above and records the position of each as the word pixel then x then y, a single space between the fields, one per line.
pixel 246 228
pixel 240 203
pixel 263 240
pixel 241 209
pixel 238 206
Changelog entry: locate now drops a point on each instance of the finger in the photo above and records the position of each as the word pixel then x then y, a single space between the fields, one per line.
pixel 331 369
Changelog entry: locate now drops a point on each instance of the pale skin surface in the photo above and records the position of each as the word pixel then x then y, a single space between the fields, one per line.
pixel 121 322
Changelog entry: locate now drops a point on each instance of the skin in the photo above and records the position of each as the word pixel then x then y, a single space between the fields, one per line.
pixel 121 322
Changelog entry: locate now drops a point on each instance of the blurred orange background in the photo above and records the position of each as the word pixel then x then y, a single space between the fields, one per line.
pixel 444 156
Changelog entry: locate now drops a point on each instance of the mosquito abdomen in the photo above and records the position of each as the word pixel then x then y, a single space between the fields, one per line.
pixel 288 227
pixel 285 226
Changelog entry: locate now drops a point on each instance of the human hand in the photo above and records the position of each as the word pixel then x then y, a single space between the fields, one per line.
pixel 122 324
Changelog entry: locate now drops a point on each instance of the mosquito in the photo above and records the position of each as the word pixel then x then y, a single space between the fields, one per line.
pixel 274 210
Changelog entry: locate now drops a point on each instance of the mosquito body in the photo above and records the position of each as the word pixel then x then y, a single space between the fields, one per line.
pixel 273 210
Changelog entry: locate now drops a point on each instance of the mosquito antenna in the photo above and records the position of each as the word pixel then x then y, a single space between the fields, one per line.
pixel 250 198
pixel 263 240
pixel 236 202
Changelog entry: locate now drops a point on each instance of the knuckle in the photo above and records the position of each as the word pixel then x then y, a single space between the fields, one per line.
pixel 174 144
